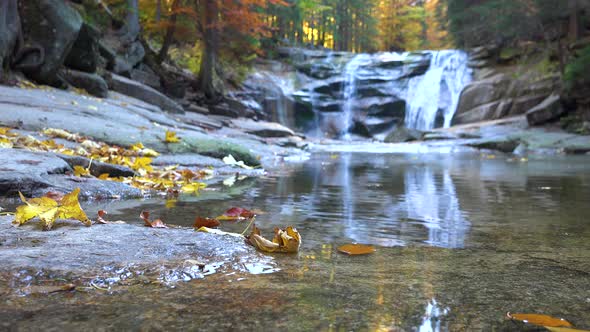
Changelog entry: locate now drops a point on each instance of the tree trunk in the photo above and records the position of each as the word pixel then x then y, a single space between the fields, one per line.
pixel 574 20
pixel 169 33
pixel 132 20
pixel 158 10
pixel 209 12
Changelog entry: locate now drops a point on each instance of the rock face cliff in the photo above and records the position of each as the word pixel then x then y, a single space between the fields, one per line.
pixel 506 86
pixel 337 94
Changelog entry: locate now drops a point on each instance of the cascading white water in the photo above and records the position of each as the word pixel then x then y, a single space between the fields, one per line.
pixel 349 90
pixel 437 90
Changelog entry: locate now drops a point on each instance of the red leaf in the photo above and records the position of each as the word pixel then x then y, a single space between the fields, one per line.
pixel 239 212
pixel 206 222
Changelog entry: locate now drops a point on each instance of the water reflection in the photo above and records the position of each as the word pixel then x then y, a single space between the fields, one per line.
pixel 368 201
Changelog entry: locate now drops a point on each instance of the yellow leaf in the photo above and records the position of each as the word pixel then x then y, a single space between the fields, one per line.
pixel 563 329
pixel 171 137
pixel 142 150
pixel 193 187
pixel 5 143
pixel 33 208
pixel 48 209
pixel 142 164
pixel 81 171
pixel 70 208
pixel 104 176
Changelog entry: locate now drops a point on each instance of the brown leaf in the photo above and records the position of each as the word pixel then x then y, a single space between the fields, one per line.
pixel 538 319
pixel 206 222
pixel 145 216
pixel 356 249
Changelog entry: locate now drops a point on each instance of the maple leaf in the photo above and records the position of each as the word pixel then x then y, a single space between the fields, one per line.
pixel 284 241
pixel 48 210
pixel 171 137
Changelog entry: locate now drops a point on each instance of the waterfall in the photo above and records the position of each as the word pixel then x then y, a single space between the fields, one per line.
pixel 349 90
pixel 436 93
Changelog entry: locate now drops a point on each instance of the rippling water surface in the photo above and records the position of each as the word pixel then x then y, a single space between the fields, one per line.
pixel 461 239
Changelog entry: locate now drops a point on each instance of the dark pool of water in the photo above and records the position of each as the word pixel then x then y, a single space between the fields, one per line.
pixel 461 240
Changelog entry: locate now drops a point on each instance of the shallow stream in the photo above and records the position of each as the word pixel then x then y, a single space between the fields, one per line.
pixel 461 239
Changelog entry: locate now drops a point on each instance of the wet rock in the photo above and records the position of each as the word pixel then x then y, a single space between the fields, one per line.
pixel 438 136
pixel 416 66
pixel 224 110
pixel 27 172
pixel 402 134
pixel 371 126
pixel 74 248
pixel 550 109
pixel 93 83
pixel 84 53
pixel 503 144
pixel 97 168
pixel 142 92
pixel 9 29
pixel 332 87
pixel 53 26
pixel 263 129
pixel 524 104
pixel 245 107
pixel 389 107
pixel 146 76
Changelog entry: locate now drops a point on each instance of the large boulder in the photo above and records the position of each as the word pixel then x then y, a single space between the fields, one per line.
pixel 402 134
pixel 84 53
pixel 551 108
pixel 9 30
pixel 143 92
pixel 92 83
pixel 53 26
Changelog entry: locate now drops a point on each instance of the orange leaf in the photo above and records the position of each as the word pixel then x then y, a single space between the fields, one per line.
pixel 543 320
pixel 356 249
pixel 145 216
pixel 206 222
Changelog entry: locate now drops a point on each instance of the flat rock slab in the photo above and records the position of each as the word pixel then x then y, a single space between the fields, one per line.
pixel 74 248
pixel 143 92
pixel 36 173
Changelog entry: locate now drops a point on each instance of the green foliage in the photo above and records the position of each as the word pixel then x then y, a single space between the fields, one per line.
pixel 187 56
pixel 578 70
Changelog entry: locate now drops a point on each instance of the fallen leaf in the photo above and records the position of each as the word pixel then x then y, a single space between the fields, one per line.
pixel 284 241
pixel 229 182
pixel 356 249
pixel 206 222
pixel 171 137
pixel 104 176
pixel 48 210
pixel 538 319
pixel 81 171
pixel 236 213
pixel 193 188
pixel 231 161
pixel 145 216
pixel 100 219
